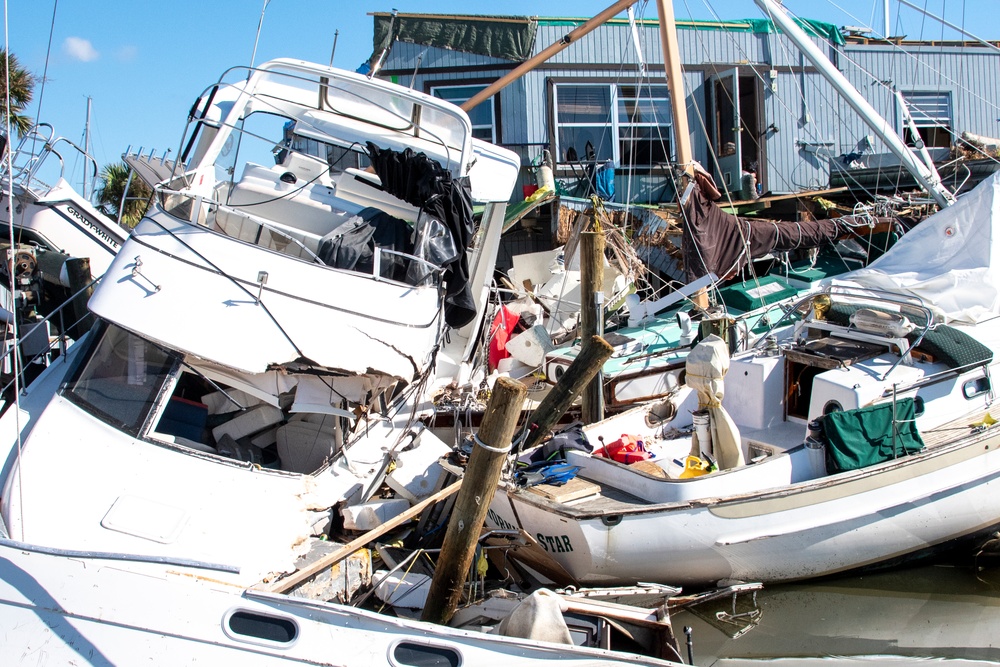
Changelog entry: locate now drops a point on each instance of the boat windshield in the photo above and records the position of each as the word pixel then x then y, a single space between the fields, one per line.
pixel 120 378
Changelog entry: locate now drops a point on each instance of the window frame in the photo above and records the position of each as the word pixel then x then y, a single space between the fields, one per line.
pixel 491 103
pixel 927 126
pixel 617 128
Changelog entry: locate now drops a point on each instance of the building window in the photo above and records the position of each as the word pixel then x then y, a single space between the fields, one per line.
pixel 931 112
pixel 629 124
pixel 483 116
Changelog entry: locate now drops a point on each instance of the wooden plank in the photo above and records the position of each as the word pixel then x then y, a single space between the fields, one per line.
pixel 574 489
pixel 282 585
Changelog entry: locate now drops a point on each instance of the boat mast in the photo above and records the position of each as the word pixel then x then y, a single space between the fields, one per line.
pixel 547 53
pixel 928 178
pixel 672 68
pixel 86 151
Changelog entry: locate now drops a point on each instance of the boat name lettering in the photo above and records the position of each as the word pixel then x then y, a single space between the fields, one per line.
pixel 500 522
pixel 90 223
pixel 555 543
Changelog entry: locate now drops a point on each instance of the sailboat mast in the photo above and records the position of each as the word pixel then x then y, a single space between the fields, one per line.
pixel 87 191
pixel 547 52
pixel 672 67
pixel 928 179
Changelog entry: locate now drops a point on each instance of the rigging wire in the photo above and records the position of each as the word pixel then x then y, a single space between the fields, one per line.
pixel 15 349
pixel 45 69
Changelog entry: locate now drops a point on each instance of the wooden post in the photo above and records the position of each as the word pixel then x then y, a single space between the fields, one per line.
pixel 591 316
pixel 492 444
pixel 593 353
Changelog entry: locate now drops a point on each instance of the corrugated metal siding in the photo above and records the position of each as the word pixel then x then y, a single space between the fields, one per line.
pixel 814 125
pixel 971 75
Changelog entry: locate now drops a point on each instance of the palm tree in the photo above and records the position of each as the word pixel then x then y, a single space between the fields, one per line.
pixel 22 85
pixel 110 191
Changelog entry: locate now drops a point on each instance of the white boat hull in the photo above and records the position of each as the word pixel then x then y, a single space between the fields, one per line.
pixel 72 609
pixel 799 531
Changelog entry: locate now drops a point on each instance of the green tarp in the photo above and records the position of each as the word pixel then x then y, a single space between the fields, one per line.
pixel 859 438
pixel 508 37
pixel 827 31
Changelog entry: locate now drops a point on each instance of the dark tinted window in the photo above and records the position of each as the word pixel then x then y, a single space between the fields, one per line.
pixel 260 626
pixel 120 378
pixel 419 655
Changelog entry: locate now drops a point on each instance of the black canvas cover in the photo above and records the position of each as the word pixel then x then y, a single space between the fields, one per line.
pixel 424 183
pixel 721 243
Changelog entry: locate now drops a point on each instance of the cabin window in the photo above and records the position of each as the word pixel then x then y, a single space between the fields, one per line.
pixel 976 387
pixel 120 378
pixel 248 624
pixel 483 115
pixel 423 655
pixel 628 124
pixel 931 112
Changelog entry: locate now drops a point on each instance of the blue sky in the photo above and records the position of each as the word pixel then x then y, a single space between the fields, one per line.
pixel 143 63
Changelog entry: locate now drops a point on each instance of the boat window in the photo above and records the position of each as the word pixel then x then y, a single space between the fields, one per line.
pixel 976 387
pixel 262 626
pixel 832 406
pixel 410 654
pixel 120 379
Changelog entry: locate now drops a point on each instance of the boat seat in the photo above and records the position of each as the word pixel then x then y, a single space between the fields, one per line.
pixel 954 348
pixel 304 446
pixel 308 205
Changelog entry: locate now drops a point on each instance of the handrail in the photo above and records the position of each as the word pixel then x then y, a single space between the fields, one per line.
pixel 163 191
pixel 859 293
pixel 27 173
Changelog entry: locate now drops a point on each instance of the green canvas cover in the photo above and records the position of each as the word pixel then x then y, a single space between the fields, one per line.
pixel 859 438
pixel 509 37
pixel 753 294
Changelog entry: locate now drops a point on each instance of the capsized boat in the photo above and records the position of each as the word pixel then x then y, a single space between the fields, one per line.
pixel 857 432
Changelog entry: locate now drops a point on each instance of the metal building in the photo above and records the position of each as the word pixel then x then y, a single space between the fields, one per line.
pixel 754 103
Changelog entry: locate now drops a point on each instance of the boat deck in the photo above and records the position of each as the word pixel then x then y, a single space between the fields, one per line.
pixel 584 494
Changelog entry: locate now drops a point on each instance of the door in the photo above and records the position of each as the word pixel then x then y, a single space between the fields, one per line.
pixel 724 89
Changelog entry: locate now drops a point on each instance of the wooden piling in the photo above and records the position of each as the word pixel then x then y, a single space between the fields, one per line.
pixel 469 514
pixel 591 315
pixel 593 353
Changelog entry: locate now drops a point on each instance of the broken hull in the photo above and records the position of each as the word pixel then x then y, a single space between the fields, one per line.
pixel 150 496
pixel 336 319
pixel 178 615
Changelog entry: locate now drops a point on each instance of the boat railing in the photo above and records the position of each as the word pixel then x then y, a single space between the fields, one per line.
pixel 813 309
pixel 32 153
pixel 339 107
pixel 270 235
pixel 57 343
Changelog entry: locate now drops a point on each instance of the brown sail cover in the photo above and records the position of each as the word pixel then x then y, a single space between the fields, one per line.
pixel 721 243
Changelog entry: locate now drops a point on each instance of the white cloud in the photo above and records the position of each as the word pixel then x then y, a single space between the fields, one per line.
pixel 127 53
pixel 80 49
